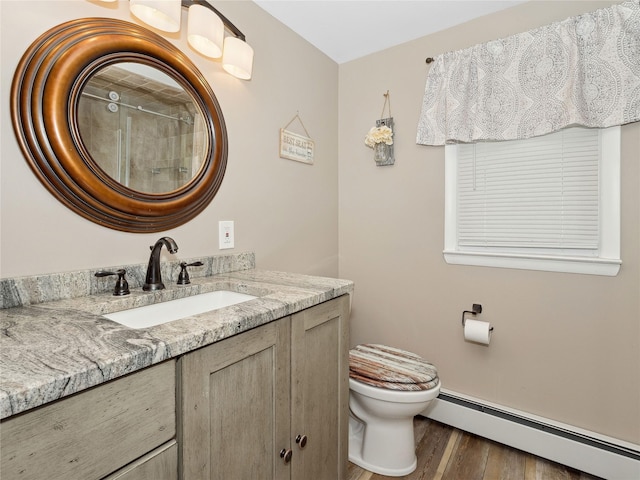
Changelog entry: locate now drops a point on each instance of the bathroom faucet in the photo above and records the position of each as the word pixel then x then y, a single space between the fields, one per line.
pixel 154 277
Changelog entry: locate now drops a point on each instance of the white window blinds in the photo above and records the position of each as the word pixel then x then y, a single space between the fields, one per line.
pixel 539 193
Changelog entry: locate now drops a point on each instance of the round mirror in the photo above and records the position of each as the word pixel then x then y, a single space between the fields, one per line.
pixel 119 125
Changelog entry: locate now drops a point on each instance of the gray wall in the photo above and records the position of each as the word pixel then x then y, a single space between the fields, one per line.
pixel 285 211
pixel 565 346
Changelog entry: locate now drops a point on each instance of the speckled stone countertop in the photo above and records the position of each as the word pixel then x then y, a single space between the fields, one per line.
pixel 52 349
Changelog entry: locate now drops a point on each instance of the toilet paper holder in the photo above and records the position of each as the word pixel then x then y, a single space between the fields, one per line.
pixel 476 308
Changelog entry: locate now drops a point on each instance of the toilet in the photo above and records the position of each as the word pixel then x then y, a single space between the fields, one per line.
pixel 387 388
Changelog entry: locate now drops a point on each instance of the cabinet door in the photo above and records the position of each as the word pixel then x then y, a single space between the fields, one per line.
pixel 235 407
pixel 320 391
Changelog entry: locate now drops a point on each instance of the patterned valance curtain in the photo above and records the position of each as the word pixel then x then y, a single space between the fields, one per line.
pixel 584 70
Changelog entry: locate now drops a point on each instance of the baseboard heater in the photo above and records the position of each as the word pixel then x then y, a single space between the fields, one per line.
pixel 586 451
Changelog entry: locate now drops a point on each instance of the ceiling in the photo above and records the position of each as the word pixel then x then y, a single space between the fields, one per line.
pixel 348 29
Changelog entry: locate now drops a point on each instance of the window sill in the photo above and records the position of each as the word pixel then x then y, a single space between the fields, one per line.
pixel 583 265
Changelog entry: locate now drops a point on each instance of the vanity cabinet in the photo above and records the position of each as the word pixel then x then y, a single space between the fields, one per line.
pixel 126 426
pixel 270 403
pixel 160 464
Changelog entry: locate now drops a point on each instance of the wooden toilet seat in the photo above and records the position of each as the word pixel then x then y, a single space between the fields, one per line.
pixel 391 368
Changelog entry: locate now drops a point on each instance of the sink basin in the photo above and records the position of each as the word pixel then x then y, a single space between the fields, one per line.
pixel 159 313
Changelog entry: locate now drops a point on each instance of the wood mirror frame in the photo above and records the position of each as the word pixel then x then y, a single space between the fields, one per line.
pixel 44 97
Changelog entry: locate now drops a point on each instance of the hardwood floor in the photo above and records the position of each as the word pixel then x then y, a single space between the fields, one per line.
pixel 446 453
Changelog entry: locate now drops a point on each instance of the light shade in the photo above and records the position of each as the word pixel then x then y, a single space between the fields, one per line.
pixel 237 58
pixel 161 14
pixel 205 31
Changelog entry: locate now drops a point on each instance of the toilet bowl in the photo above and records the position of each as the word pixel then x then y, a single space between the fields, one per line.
pixel 388 387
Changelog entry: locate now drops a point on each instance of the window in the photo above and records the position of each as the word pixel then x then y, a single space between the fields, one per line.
pixel 546 203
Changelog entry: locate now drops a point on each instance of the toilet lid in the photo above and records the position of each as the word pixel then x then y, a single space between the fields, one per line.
pixel 391 368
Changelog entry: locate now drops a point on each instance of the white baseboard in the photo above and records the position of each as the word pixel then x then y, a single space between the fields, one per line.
pixel 583 450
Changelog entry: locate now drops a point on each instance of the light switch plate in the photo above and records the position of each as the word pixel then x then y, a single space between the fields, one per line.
pixel 227 237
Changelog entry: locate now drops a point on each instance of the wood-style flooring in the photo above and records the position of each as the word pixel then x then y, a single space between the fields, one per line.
pixel 446 453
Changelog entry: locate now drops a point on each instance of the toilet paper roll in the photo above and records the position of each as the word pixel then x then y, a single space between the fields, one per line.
pixel 477 331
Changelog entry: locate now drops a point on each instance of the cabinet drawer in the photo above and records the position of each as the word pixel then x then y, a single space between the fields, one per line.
pixel 93 433
pixel 160 464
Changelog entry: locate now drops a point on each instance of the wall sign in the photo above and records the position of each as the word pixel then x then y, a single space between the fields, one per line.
pixel 294 146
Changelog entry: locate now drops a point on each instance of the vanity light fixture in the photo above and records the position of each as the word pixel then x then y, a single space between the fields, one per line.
pixel 161 14
pixel 237 54
pixel 205 31
pixel 206 28
pixel 237 58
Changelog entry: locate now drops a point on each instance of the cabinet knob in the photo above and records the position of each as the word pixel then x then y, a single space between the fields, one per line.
pixel 286 455
pixel 301 440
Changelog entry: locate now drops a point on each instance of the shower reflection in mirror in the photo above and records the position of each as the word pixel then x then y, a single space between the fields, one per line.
pixel 141 127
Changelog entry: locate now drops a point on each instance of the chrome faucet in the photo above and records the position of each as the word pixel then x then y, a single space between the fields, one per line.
pixel 154 277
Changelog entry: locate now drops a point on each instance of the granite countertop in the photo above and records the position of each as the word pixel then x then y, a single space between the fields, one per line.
pixel 53 349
